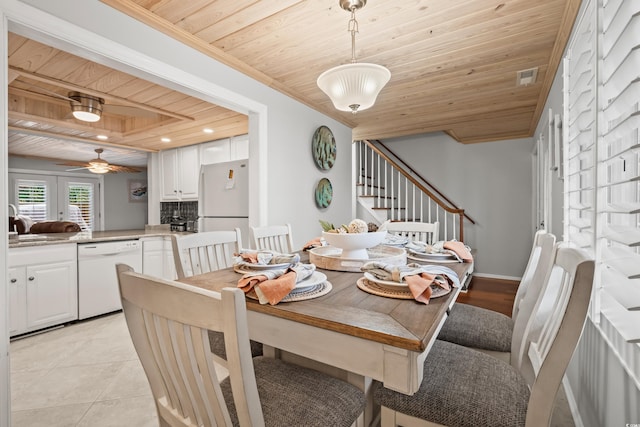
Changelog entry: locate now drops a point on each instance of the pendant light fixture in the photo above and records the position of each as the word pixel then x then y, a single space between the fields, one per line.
pixel 86 107
pixel 353 87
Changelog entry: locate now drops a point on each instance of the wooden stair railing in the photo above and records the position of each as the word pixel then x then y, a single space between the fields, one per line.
pixel 403 193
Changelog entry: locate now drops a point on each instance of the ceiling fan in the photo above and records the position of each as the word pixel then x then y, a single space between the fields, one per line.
pixel 100 165
pixel 86 107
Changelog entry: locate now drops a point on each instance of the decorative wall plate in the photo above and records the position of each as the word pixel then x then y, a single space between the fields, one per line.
pixel 323 147
pixel 324 193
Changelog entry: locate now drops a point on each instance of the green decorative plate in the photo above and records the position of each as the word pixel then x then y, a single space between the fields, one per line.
pixel 323 147
pixel 324 193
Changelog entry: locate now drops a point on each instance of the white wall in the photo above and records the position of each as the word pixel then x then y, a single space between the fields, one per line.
pixel 119 213
pixel 492 183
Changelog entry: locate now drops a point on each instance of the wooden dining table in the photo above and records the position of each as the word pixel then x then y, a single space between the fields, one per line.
pixel 352 334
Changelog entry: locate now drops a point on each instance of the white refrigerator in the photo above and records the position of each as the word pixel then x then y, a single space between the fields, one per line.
pixel 224 197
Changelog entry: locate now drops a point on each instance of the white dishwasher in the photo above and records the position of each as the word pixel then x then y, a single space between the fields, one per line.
pixel 98 291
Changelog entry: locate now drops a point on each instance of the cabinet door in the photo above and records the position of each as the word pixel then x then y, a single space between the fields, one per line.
pixel 190 172
pixel 17 301
pixel 169 262
pixel 153 257
pixel 52 294
pixel 169 175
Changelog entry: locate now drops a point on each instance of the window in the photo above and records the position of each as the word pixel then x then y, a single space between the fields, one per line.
pixel 32 199
pixel 602 164
pixel 46 197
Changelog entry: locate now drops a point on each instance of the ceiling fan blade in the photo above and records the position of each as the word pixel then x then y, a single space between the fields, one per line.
pixel 43 91
pixel 76 169
pixel 124 169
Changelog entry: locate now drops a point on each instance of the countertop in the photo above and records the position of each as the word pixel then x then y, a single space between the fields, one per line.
pixel 25 240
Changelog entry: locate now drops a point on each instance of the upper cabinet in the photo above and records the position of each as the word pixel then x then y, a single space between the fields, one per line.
pixel 224 150
pixel 180 169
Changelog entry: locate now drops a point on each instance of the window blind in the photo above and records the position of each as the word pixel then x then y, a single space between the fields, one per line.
pixel 33 199
pixel 81 204
pixel 619 166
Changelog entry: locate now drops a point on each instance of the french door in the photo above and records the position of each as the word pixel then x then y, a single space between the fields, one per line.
pixel 47 197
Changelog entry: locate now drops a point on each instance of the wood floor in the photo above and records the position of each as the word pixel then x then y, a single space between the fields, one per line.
pixel 493 294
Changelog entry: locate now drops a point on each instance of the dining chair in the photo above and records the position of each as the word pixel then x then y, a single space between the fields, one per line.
pixel 427 232
pixel 168 322
pixel 203 252
pixel 495 333
pixel 464 387
pixel 276 238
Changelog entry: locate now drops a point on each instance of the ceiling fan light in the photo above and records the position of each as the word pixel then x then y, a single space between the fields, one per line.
pixel 354 87
pixel 98 169
pixel 86 107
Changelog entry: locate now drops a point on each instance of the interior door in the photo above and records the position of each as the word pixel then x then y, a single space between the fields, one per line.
pixel 78 201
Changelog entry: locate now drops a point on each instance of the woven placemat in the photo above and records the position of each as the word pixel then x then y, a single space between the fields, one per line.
pixel 400 293
pixel 309 293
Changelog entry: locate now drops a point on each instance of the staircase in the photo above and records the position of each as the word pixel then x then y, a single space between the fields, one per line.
pixel 388 189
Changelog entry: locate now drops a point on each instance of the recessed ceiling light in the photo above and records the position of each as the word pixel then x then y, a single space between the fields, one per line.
pixel 102 137
pixel 207 130
pixel 165 139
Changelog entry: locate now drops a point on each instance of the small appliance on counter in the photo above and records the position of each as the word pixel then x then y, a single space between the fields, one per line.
pixel 177 222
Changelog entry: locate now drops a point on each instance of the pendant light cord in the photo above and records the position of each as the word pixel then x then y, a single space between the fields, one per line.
pixel 353 29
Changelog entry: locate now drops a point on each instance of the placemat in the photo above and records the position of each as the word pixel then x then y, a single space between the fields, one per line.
pixel 400 293
pixel 310 293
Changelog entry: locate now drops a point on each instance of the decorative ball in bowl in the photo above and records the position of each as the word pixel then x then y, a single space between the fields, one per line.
pixel 354 245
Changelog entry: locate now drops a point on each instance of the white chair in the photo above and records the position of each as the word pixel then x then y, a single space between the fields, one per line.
pixel 168 323
pixel 416 231
pixel 493 332
pixel 276 238
pixel 203 252
pixel 200 253
pixel 464 387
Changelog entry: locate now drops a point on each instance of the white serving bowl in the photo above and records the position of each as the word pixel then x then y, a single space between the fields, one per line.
pixel 354 245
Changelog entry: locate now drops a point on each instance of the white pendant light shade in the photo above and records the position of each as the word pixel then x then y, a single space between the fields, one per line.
pixel 354 87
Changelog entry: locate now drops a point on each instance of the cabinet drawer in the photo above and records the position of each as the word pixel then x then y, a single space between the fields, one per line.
pixel 42 254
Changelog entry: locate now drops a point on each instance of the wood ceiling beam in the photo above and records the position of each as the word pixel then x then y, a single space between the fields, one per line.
pixel 45 134
pixel 113 99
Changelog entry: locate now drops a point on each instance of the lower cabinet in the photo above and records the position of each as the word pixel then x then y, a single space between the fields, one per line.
pixel 157 257
pixel 43 287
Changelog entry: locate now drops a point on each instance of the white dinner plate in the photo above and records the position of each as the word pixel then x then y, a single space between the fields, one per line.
pixel 315 279
pixel 247 267
pixel 437 255
pixel 381 282
pixel 436 291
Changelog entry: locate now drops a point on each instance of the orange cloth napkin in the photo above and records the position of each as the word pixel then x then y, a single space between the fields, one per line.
pixel 420 286
pixel 269 290
pixel 251 257
pixel 460 249
pixel 313 243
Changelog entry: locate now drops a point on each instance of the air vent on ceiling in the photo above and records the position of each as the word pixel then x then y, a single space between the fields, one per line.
pixel 526 77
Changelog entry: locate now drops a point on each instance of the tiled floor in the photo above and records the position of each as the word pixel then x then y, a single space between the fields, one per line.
pixel 85 374
pixel 88 374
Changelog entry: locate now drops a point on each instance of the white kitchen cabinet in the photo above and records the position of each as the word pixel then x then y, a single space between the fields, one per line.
pixel 225 150
pixel 180 169
pixel 157 257
pixel 43 287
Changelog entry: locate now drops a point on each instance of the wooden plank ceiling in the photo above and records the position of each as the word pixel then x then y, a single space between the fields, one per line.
pixel 453 68
pixel 453 63
pixel 137 113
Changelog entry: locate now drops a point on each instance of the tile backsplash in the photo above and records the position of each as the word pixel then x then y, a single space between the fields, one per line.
pixel 187 211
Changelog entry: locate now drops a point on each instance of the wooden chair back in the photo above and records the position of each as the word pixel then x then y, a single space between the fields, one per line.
pixel 172 342
pixel 276 238
pixel 531 289
pixel 203 252
pixel 571 282
pixel 427 232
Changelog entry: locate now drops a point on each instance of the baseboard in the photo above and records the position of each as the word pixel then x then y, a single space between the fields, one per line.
pixel 498 276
